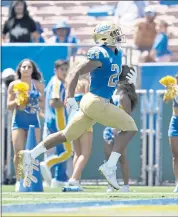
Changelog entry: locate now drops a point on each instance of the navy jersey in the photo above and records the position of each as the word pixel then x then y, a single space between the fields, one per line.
pixel 104 79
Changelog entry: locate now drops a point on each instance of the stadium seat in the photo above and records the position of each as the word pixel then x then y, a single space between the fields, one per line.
pixel 164 2
pixel 75 13
pixel 68 3
pixel 82 23
pixel 101 11
pixel 5 11
pixel 173 11
pixel 40 4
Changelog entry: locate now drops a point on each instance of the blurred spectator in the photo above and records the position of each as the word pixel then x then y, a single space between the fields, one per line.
pixel 141 5
pixel 8 75
pixel 55 120
pixel 62 34
pixel 37 37
pixel 159 51
pixel 127 11
pixel 145 31
pixel 20 26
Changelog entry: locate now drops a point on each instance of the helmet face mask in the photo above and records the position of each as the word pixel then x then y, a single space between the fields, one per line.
pixel 108 34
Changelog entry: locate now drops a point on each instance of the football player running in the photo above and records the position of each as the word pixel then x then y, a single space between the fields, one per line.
pixel 104 62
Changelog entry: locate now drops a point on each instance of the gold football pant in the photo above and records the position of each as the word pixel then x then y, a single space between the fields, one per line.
pixel 97 109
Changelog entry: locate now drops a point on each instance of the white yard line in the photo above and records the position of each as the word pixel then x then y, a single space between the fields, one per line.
pixel 85 193
pixel 46 199
pixel 70 199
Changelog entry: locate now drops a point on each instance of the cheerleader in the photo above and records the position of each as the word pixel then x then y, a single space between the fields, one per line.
pixel 83 145
pixel 126 98
pixel 25 112
pixel 173 136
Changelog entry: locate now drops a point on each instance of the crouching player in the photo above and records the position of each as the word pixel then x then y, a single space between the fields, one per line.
pixel 126 98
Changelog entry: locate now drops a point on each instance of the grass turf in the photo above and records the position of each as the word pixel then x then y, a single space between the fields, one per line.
pixel 90 193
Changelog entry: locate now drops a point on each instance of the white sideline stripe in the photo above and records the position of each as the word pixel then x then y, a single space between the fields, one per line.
pixel 68 199
pixel 85 193
pixel 55 199
pixel 159 64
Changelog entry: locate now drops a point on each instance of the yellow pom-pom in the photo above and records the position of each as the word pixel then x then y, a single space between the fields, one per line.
pixel 21 89
pixel 170 93
pixel 168 81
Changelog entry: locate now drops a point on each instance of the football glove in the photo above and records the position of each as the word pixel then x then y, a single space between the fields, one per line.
pixel 132 77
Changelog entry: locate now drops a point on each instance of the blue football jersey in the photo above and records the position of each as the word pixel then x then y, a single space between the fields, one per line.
pixel 55 118
pixel 104 79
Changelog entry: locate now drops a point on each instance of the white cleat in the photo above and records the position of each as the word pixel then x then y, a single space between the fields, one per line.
pixel 109 189
pixel 45 185
pixel 46 173
pixel 125 188
pixel 56 184
pixel 110 175
pixel 176 189
pixel 26 166
pixel 17 186
pixel 73 182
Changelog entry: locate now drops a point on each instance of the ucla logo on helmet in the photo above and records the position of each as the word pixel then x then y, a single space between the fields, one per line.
pixel 102 28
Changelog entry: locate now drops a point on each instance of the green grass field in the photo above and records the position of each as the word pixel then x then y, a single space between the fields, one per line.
pixel 95 194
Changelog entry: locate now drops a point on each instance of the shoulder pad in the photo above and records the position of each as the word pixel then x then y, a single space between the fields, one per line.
pixel 97 53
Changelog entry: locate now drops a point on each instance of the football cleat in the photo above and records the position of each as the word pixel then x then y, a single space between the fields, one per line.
pixel 110 175
pixel 26 166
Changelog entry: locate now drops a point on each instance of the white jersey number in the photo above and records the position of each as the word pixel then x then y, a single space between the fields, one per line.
pixel 113 79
